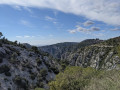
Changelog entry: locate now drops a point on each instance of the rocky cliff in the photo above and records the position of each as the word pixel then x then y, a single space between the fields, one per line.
pixel 94 53
pixel 23 68
pixel 57 50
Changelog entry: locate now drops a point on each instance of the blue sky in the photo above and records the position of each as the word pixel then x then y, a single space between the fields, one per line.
pixel 46 22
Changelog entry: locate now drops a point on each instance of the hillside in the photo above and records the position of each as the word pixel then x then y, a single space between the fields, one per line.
pixel 92 52
pixel 26 67
pixel 23 68
pixel 104 55
pixel 57 50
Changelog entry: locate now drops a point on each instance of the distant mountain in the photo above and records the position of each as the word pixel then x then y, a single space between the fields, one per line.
pixel 102 55
pixel 91 52
pixel 57 50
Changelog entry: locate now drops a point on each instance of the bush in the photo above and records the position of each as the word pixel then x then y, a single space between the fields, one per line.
pixel 77 78
pixel 4 69
pixel 30 55
pixel 39 62
pixel 43 72
pixel 13 58
pixel 39 89
pixel 21 82
pixel 73 78
pixel 7 73
pixel 35 49
pixel 54 69
pixel 33 76
pixel 109 80
pixel 40 78
pixel 40 84
pixel 1 60
pixel 9 88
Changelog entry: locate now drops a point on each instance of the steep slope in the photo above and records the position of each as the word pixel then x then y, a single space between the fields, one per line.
pixel 105 55
pixel 24 69
pixel 91 52
pixel 57 50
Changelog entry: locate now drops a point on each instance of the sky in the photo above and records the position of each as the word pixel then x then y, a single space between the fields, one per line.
pixel 46 22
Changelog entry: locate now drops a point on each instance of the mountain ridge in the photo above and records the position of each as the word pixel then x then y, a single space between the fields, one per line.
pixel 92 52
pixel 25 67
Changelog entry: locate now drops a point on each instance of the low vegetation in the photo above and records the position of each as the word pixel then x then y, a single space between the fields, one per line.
pixel 77 78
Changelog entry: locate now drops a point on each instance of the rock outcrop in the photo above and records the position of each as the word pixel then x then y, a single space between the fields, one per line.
pixel 24 68
pixel 92 52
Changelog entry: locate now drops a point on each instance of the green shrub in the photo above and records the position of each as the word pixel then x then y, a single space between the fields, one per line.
pixel 54 69
pixel 35 49
pixel 40 84
pixel 43 72
pixel 118 50
pixel 30 55
pixel 33 76
pixel 39 89
pixel 21 82
pixel 77 78
pixel 73 78
pixel 13 58
pixel 39 62
pixel 109 80
pixel 40 78
pixel 7 73
pixel 4 69
pixel 1 60
pixel 9 88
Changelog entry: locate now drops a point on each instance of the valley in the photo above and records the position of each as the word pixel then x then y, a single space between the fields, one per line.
pixel 26 67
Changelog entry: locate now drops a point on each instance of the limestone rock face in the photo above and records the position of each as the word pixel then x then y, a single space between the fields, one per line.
pixel 97 57
pixel 100 54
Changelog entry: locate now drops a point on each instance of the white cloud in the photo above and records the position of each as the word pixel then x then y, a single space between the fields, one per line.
pixel 26 23
pixel 55 13
pixel 25 36
pixel 88 23
pixel 49 18
pixel 95 29
pixel 107 11
pixel 99 34
pixel 18 36
pixel 81 29
pixel 84 30
pixel 50 35
pixel 53 20
pixel 72 31
pixel 28 9
pixel 17 7
pixel 116 29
